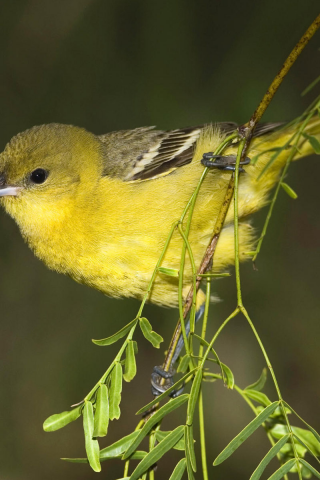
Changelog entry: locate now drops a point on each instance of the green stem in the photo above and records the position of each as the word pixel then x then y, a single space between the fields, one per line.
pixel 205 315
pixel 227 320
pixel 203 438
pixel 193 310
pixel 246 399
pixel 126 469
pixel 236 223
pixel 201 410
pixel 116 359
pixel 155 271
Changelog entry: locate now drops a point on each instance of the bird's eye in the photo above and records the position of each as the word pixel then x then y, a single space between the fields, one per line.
pixel 39 176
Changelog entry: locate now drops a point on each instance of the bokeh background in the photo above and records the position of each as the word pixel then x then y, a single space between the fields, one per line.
pixel 108 65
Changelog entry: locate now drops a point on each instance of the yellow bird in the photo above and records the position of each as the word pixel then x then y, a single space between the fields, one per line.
pixel 99 208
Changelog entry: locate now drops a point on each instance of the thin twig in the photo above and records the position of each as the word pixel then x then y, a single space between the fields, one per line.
pixel 246 131
pixel 249 127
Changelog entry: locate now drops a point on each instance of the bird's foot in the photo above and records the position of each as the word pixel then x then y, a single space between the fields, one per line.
pixel 221 162
pixel 161 380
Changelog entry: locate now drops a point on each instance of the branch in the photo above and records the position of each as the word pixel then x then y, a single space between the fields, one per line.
pixel 245 132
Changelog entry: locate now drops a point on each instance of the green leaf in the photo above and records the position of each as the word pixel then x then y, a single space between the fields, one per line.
pixel 287 450
pixel 258 397
pixel 171 272
pixel 183 365
pixel 116 336
pixel 229 375
pixel 310 468
pixel 305 472
pixel 137 455
pixel 160 435
pixel 280 473
pixel 115 392
pixel 306 436
pixel 211 377
pixel 75 460
pixel 259 384
pixel 193 397
pixel 278 413
pixel 92 445
pixel 270 455
pixel 119 447
pixel 314 142
pixel 302 445
pixel 188 459
pixel 60 420
pixel 154 419
pixel 308 440
pixel 245 433
pixel 166 393
pixel 289 191
pixel 149 334
pixel 305 446
pixel 179 470
pixel 101 415
pixel 112 451
pixel 130 367
pixel 135 347
pixel 190 446
pixel 157 452
pixel 315 433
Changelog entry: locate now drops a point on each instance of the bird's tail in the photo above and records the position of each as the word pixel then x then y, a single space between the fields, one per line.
pixel 309 142
pixel 270 152
pixel 278 144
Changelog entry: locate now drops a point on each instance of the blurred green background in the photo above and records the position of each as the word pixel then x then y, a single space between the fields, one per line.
pixel 108 65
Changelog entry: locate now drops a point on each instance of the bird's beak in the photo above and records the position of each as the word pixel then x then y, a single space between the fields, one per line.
pixel 9 191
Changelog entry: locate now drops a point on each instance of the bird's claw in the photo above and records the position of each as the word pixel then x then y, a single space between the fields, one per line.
pixel 227 162
pixel 161 380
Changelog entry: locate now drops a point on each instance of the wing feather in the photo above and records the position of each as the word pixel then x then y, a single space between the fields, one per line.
pixel 148 153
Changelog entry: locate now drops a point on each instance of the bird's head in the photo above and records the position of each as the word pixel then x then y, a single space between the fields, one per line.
pixel 45 169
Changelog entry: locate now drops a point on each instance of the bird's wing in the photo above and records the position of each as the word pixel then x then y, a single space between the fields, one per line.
pixel 145 153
